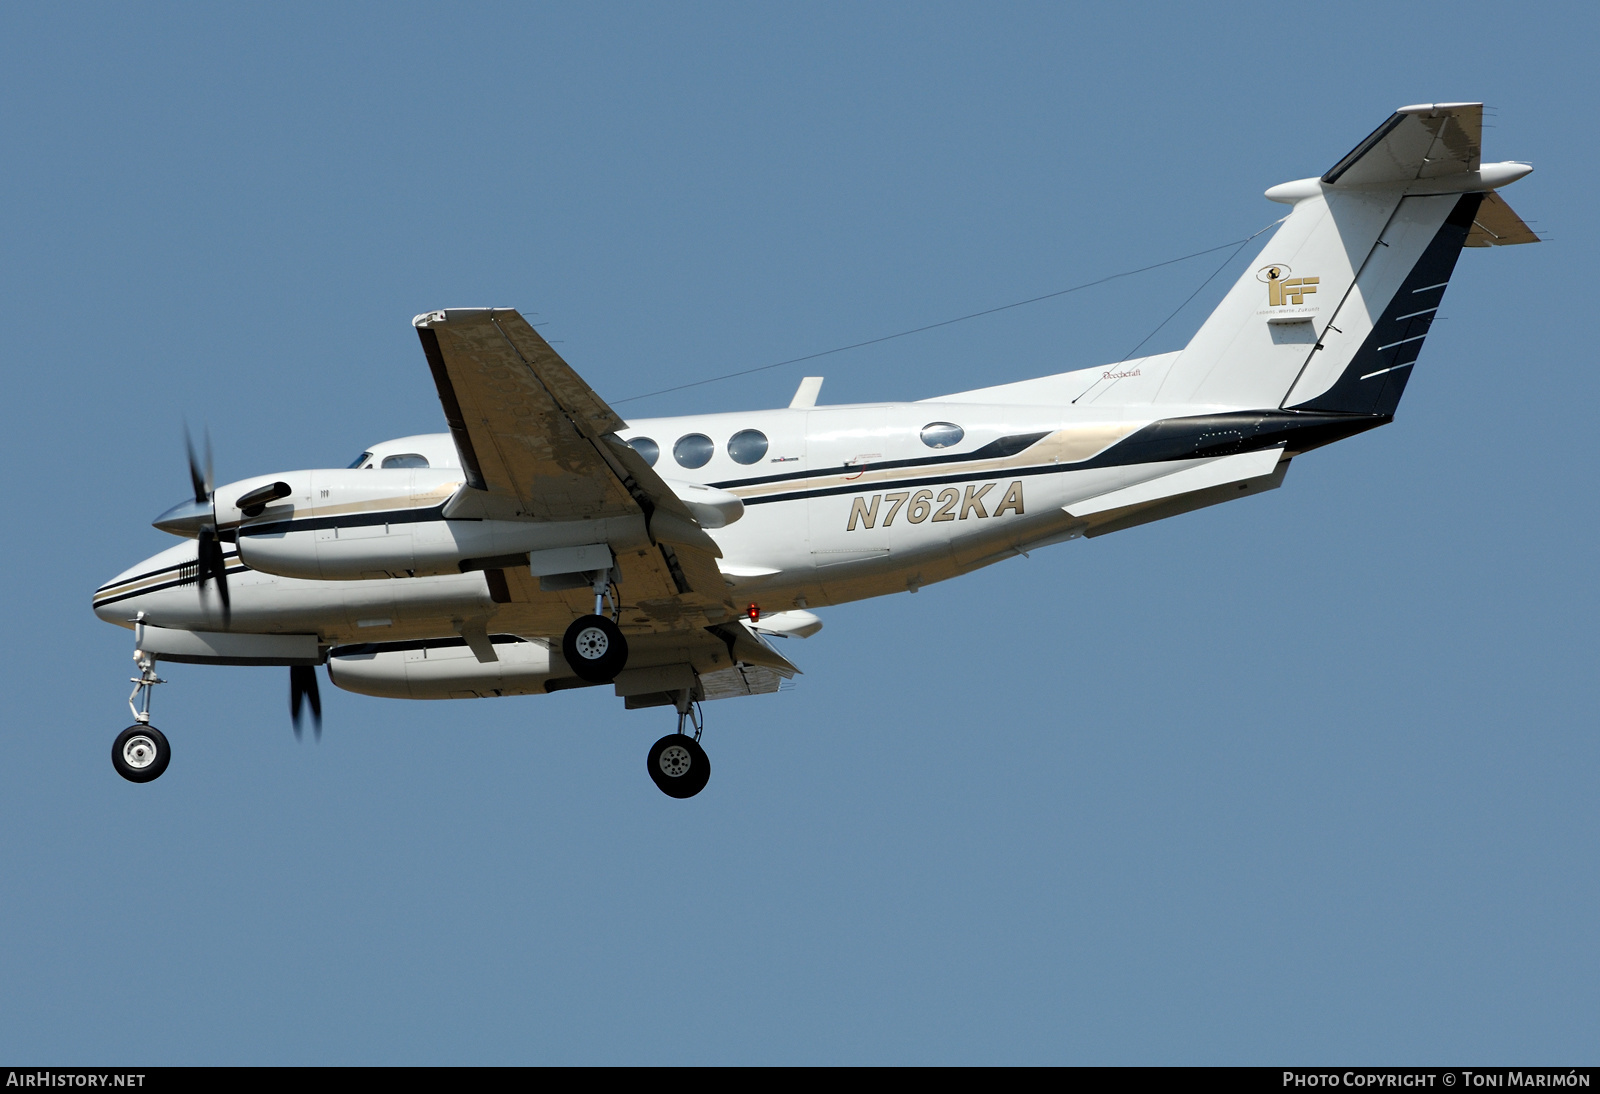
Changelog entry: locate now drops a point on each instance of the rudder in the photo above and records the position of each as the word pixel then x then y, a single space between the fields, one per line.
pixel 1374 377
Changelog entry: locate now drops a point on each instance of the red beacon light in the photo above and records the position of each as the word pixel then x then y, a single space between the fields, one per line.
pixel 754 612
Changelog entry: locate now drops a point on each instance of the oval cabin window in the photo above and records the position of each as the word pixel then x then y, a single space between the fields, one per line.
pixel 693 450
pixel 646 448
pixel 747 445
pixel 942 434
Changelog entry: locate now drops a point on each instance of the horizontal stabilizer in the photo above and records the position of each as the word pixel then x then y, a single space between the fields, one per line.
pixel 1495 225
pixel 1229 469
pixel 1117 520
pixel 1428 141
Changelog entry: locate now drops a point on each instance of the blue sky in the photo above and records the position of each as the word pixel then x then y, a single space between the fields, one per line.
pixel 1308 777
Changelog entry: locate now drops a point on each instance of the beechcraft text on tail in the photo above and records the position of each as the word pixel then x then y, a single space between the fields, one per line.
pixel 543 543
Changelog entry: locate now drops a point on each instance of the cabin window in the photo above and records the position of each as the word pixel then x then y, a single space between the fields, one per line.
pixel 405 459
pixel 693 450
pixel 942 434
pixel 646 448
pixel 359 460
pixel 747 445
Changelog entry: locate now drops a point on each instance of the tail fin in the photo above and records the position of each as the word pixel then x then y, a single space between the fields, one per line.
pixel 1371 379
pixel 1334 315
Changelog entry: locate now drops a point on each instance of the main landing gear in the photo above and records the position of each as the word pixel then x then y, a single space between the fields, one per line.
pixel 593 646
pixel 594 649
pixel 677 764
pixel 140 752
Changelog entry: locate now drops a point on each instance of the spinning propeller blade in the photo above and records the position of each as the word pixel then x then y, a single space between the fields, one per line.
pixel 303 685
pixel 201 483
pixel 211 565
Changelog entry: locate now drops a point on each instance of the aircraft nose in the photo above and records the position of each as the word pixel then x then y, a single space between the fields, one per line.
pixel 186 518
pixel 111 611
pixel 121 598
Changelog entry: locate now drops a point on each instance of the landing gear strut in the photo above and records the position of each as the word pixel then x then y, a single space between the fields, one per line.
pixel 677 764
pixel 140 752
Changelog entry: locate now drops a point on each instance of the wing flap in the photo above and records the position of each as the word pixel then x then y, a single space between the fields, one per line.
pixel 740 680
pixel 747 647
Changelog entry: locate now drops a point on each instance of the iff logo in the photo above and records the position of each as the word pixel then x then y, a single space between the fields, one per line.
pixel 1283 289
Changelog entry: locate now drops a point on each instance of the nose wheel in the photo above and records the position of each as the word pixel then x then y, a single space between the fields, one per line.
pixel 140 753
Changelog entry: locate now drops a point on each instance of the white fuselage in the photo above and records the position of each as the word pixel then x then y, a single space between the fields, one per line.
pixel 845 502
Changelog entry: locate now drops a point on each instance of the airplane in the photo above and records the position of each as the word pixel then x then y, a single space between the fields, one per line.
pixel 543 543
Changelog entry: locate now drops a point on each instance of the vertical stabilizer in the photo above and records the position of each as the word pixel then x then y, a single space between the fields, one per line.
pixel 1333 311
pixel 1253 346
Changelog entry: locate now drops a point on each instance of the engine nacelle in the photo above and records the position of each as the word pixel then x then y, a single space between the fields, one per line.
pixel 349 525
pixel 445 669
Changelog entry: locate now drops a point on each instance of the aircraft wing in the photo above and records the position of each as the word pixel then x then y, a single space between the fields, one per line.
pixel 537 443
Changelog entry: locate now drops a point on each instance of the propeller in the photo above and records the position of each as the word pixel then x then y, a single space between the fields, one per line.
pixel 211 566
pixel 303 686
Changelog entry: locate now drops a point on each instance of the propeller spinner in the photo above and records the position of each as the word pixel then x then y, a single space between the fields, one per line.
pixel 198 518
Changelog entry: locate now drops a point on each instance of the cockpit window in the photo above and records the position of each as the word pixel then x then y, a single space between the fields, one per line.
pixel 361 459
pixel 405 459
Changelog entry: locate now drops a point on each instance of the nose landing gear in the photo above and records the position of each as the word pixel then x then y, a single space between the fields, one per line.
pixel 141 752
pixel 677 764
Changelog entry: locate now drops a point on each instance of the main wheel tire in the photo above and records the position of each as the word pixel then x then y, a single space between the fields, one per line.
pixel 140 753
pixel 594 649
pixel 679 766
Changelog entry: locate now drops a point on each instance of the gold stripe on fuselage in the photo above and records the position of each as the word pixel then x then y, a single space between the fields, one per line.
pixel 1072 445
pixel 165 576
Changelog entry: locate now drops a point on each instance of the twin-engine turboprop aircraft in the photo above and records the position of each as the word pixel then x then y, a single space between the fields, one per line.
pixel 544 543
